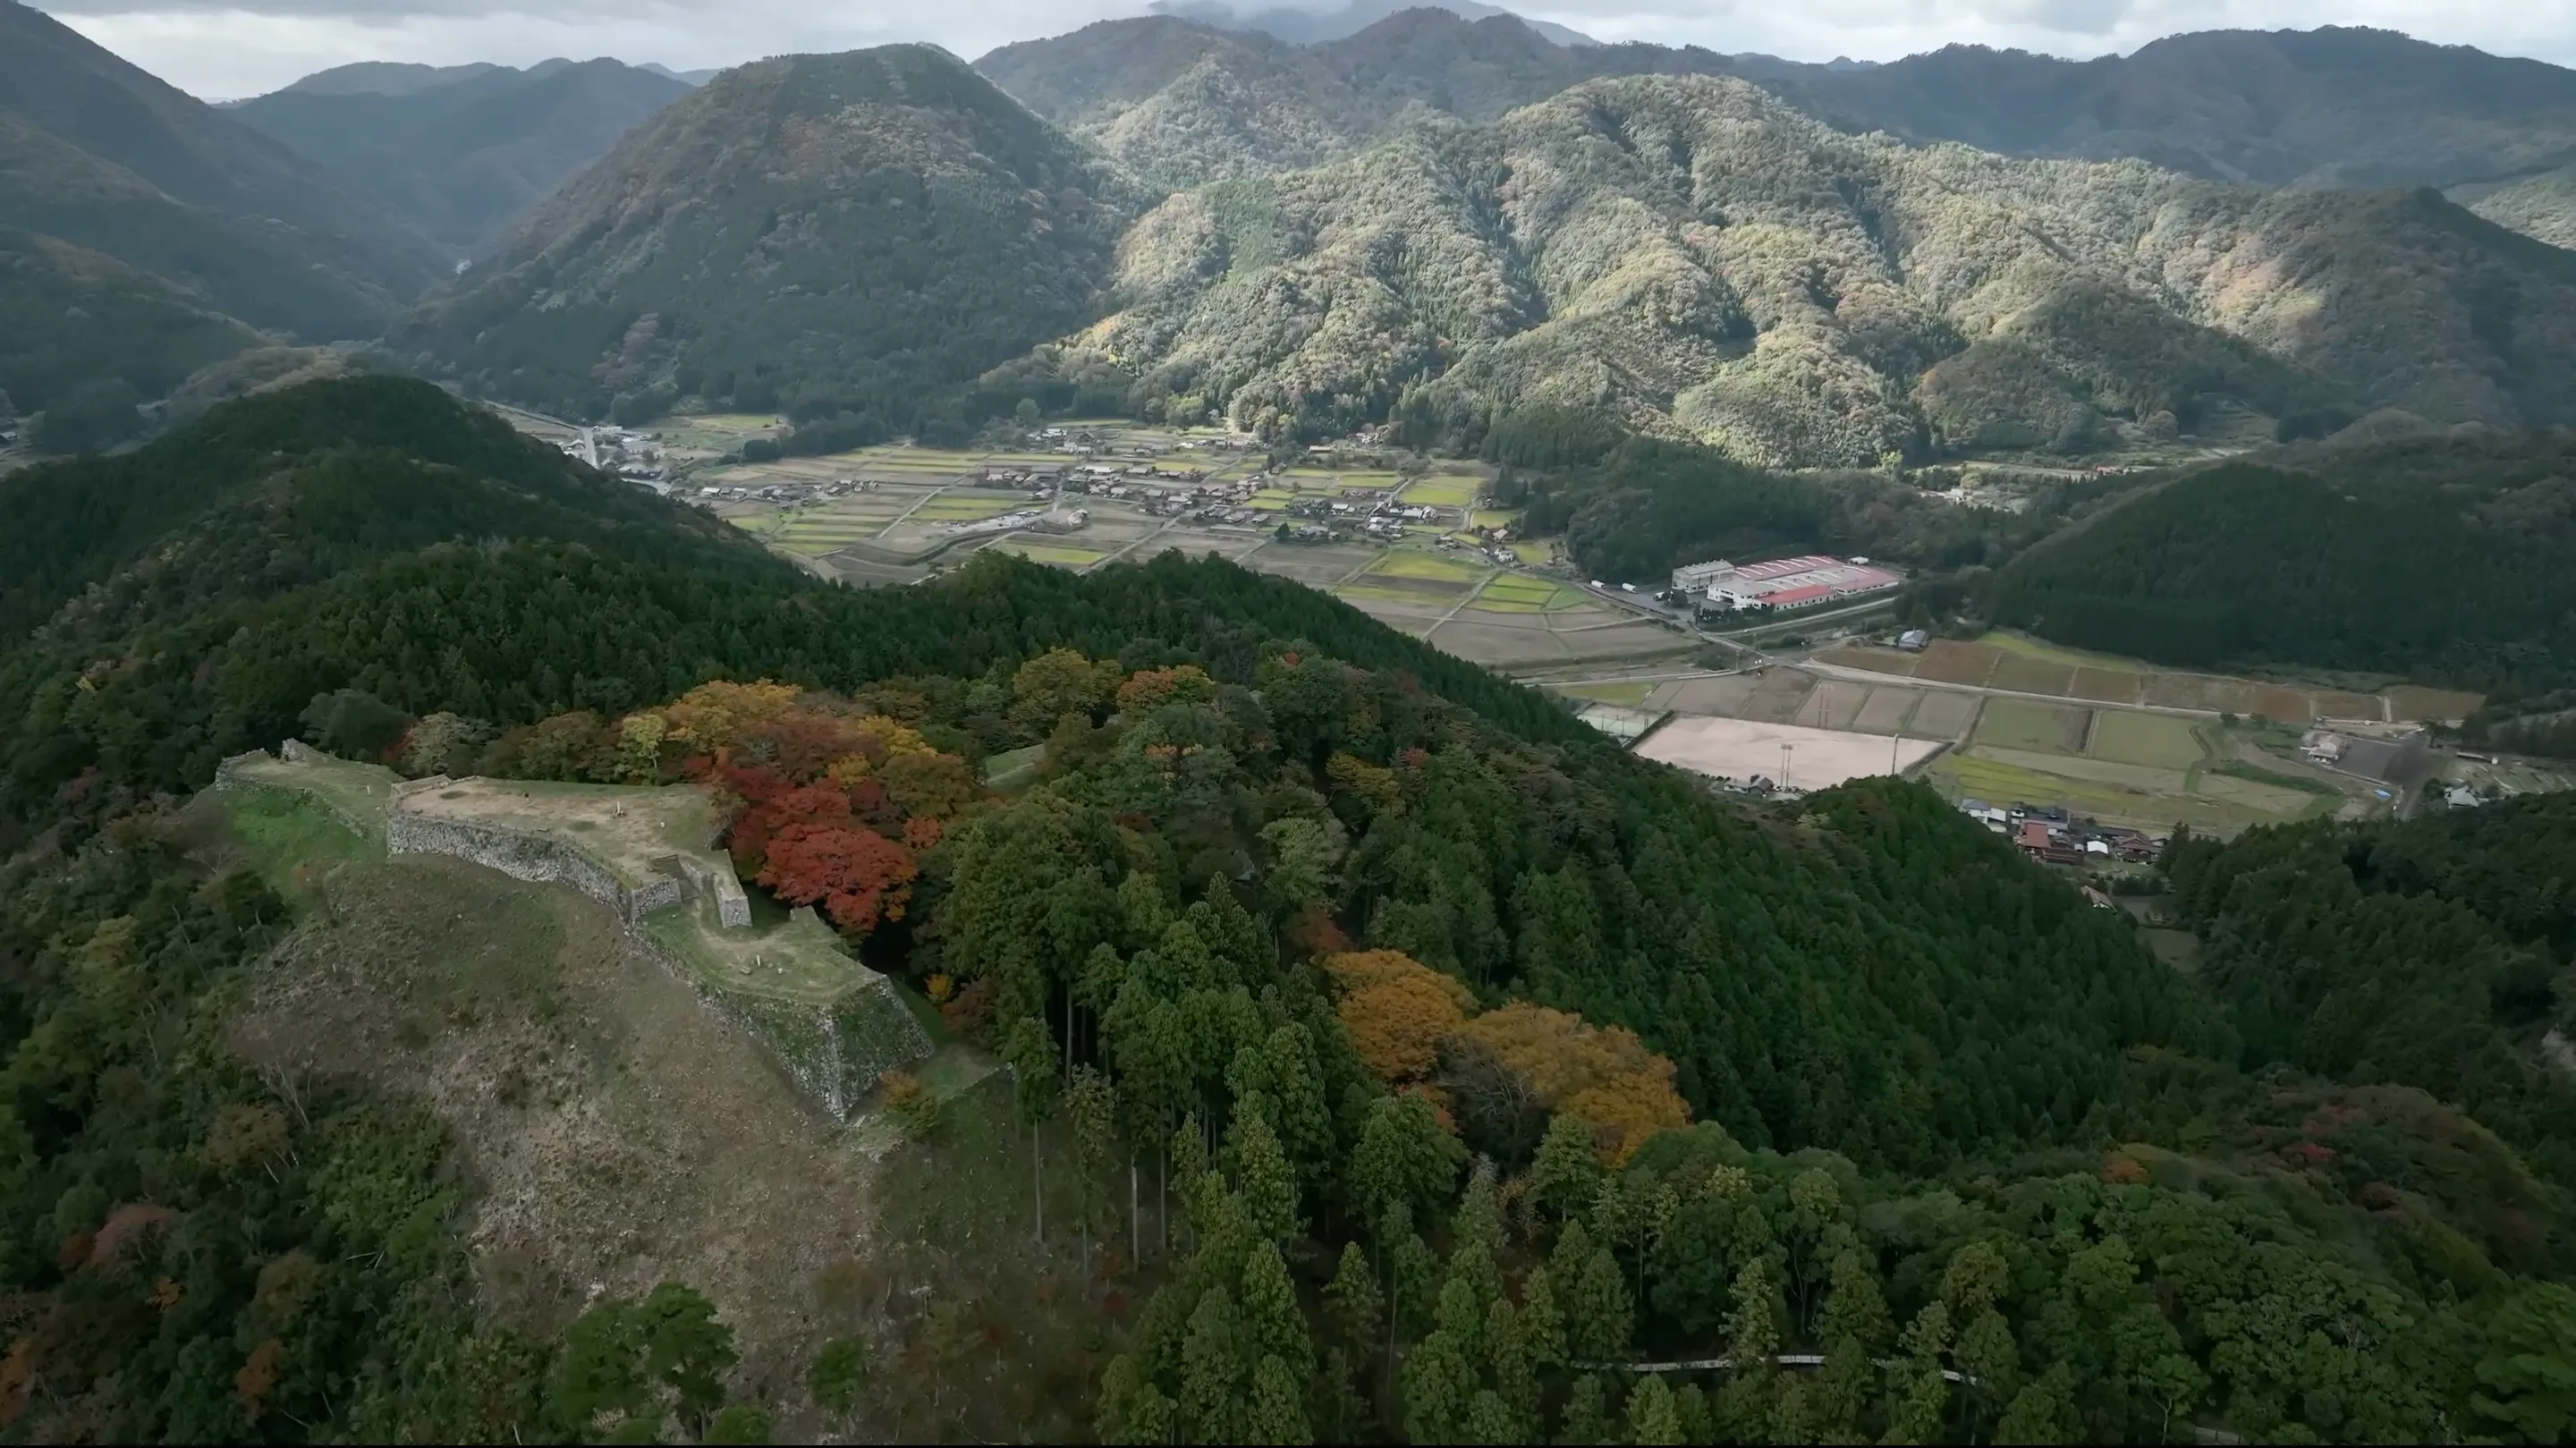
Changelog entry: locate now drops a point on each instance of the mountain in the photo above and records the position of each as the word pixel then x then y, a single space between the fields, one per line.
pixel 1181 103
pixel 460 155
pixel 2328 107
pixel 1299 26
pixel 686 77
pixel 1695 255
pixel 69 316
pixel 2335 106
pixel 100 154
pixel 2542 206
pixel 1445 969
pixel 839 233
pixel 2304 561
pixel 385 78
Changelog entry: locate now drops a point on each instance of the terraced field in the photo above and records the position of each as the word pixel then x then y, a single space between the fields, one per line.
pixel 2021 665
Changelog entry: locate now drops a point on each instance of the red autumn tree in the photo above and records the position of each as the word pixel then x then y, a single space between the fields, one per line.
pixel 770 805
pixel 859 877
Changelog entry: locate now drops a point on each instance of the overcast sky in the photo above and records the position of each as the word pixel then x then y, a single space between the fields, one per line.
pixel 221 49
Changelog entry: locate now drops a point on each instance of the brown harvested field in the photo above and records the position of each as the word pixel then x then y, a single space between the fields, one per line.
pixel 2339 704
pixel 1724 695
pixel 2178 691
pixel 1411 615
pixel 1889 709
pixel 2143 778
pixel 1948 661
pixel 1944 714
pixel 2286 706
pixel 1624 640
pixel 2255 794
pixel 1743 748
pixel 1834 704
pixel 1494 643
pixel 1427 587
pixel 2107 686
pixel 2028 724
pixel 2409 702
pixel 1877 661
pixel 1319 564
pixel 1782 694
pixel 2022 674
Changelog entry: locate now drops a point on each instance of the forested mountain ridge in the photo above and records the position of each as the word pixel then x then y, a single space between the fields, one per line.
pixel 1180 104
pixel 2438 559
pixel 69 315
pixel 835 234
pixel 1693 255
pixel 1290 906
pixel 2335 106
pixel 102 155
pixel 460 156
pixel 383 78
pixel 2542 206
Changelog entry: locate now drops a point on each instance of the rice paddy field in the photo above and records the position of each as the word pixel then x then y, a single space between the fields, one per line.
pixel 2124 765
pixel 1441 491
pixel 2023 665
pixel 905 527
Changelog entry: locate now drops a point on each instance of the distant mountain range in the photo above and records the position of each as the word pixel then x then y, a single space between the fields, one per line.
pixel 1696 256
pixel 457 152
pixel 1443 213
pixel 104 155
pixel 2330 107
pixel 1310 27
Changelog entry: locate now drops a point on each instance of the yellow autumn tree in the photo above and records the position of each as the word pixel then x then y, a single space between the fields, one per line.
pixel 1604 1075
pixel 710 717
pixel 878 740
pixel 1060 682
pixel 1396 1010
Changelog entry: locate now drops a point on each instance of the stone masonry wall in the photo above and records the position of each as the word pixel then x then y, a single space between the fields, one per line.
pixel 834 1051
pixel 229 776
pixel 520 856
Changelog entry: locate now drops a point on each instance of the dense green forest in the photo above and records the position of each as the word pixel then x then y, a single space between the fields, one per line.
pixel 924 229
pixel 1651 505
pixel 1189 102
pixel 2443 560
pixel 1486 1063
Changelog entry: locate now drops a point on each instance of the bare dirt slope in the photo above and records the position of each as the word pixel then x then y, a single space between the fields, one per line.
pixel 619 1133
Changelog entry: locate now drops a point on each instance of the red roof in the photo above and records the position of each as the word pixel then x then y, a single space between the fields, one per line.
pixel 1792 597
pixel 2034 835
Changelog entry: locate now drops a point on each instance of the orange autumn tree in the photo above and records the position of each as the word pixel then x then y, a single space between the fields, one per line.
pixel 858 876
pixel 1402 1016
pixel 832 800
pixel 1604 1075
pixel 1147 690
pixel 1396 1010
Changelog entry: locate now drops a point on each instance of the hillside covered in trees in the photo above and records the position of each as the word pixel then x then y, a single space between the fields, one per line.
pixel 459 154
pixel 834 236
pixel 1693 257
pixel 103 156
pixel 2335 106
pixel 2444 560
pixel 1483 1063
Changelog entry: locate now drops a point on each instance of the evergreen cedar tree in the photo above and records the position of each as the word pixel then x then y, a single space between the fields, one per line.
pixel 1949 1131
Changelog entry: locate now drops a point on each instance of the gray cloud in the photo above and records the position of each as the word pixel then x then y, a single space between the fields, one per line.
pixel 242 47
